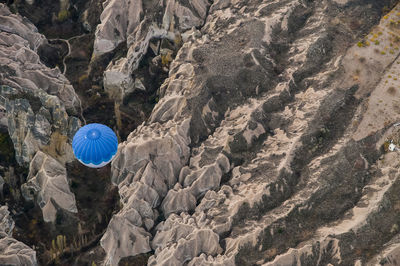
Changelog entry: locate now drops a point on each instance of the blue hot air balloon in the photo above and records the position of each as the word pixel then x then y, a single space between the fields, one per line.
pixel 95 145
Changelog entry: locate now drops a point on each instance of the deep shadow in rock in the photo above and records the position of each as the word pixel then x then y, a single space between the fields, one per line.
pixel 97 199
pixel 139 260
pixel 137 106
pixel 51 53
pixel 56 21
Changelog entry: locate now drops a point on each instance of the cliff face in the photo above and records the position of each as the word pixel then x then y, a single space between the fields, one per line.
pixel 264 136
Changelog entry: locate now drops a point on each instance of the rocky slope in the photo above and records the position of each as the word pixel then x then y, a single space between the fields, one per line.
pixel 263 142
pixel 261 130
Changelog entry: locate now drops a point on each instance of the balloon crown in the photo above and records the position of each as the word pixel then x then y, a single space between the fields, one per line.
pixel 95 145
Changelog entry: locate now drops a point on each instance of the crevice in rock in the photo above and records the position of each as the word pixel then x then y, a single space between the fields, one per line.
pixel 70 48
pixel 137 106
pixel 97 200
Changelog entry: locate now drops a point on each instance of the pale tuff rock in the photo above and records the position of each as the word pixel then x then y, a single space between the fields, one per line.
pixel 204 260
pixel 390 255
pixel 21 66
pixel 134 22
pixel 48 185
pixel 40 105
pixel 165 146
pixel 117 77
pixel 190 14
pixel 120 20
pixel 326 250
pixel 15 28
pixel 145 168
pixel 13 252
pixel 37 99
pixel 38 123
pixel 196 243
pixel 193 241
pixel 125 237
pixel 196 184
pixel 269 96
pixel 6 222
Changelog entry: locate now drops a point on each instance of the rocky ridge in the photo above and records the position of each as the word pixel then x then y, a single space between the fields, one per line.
pixel 263 129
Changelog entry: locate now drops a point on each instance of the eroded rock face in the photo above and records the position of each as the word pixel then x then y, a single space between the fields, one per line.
pixel 6 222
pixel 41 105
pixel 193 241
pixel 125 237
pixel 16 253
pixel 21 64
pixel 271 98
pixel 47 184
pixel 38 124
pixel 13 252
pixel 120 21
pixel 149 167
pixel 41 108
pixel 136 23
pixel 264 147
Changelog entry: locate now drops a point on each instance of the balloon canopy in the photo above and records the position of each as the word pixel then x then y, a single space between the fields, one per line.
pixel 95 145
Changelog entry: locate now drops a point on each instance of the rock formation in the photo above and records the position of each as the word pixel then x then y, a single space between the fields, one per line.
pixel 42 111
pixel 47 184
pixel 134 22
pixel 13 252
pixel 260 140
pixel 267 143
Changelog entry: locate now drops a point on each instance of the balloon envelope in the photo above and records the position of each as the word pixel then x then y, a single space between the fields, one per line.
pixel 95 145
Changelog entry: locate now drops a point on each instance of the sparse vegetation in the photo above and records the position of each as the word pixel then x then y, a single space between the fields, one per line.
pixel 166 59
pixel 63 15
pixel 82 78
pixel 57 246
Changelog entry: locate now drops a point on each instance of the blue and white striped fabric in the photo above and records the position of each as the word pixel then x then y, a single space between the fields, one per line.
pixel 95 145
